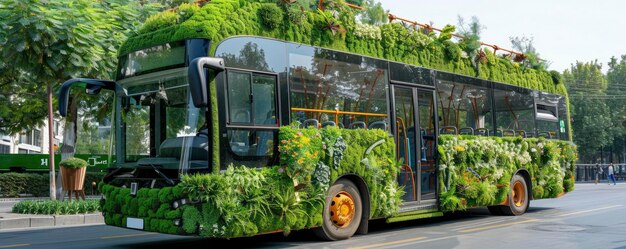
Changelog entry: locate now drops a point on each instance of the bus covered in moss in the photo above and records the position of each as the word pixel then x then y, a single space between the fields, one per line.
pixel 266 117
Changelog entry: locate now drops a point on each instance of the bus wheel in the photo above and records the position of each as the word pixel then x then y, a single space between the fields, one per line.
pixel 342 211
pixel 518 197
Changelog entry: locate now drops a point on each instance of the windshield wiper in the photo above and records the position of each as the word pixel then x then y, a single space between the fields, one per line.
pixel 167 179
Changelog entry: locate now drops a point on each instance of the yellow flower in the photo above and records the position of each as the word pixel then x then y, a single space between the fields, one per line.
pixel 460 148
pixel 306 140
pixel 300 161
pixel 295 154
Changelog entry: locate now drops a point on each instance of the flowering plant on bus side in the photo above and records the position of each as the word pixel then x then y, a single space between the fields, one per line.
pixel 299 152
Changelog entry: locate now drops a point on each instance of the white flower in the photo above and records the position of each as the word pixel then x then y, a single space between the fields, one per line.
pixel 367 31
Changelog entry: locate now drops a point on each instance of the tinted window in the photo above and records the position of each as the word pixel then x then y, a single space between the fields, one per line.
pixel 248 99
pixel 514 107
pixel 169 55
pixel 253 53
pixel 324 80
pixel 252 102
pixel 410 74
pixel 464 103
pixel 547 114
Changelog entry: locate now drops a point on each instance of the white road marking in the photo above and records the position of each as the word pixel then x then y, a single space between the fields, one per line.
pixel 590 210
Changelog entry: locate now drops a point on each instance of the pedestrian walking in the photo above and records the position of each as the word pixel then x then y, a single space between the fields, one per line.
pixel 599 172
pixel 611 175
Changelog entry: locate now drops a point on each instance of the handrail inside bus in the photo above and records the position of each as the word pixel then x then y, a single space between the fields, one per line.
pixel 338 112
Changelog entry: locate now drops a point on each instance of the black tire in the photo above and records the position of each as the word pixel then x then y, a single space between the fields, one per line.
pixel 329 230
pixel 517 206
pixel 495 210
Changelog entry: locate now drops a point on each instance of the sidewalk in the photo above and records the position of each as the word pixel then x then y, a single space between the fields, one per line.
pixel 10 220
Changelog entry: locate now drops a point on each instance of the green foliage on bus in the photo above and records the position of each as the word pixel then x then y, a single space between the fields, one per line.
pixel 475 171
pixel 245 201
pixel 334 28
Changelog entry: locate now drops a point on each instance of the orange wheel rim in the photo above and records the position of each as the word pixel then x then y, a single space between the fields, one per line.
pixel 342 209
pixel 519 194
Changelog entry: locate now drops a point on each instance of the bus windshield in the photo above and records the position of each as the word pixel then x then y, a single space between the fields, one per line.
pixel 162 128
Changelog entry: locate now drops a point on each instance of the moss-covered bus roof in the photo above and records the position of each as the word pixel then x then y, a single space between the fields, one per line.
pixel 220 19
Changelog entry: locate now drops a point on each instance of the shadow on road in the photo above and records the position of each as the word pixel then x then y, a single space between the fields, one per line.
pixel 304 237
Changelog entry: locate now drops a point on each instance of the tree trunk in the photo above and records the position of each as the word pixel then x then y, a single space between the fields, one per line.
pixel 51 144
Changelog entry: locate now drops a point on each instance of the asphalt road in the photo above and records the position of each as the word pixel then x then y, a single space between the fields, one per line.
pixel 593 216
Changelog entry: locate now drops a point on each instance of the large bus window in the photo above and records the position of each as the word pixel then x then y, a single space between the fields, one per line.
pixel 464 105
pixel 514 107
pixel 251 102
pixel 239 102
pixel 137 121
pixel 253 53
pixel 249 99
pixel 323 80
pixel 546 114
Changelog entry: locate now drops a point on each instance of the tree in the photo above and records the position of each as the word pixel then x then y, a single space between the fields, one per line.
pixel 525 45
pixel 374 13
pixel 470 43
pixel 616 77
pixel 47 42
pixel 592 120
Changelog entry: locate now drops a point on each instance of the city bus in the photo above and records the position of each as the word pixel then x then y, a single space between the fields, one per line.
pixel 233 122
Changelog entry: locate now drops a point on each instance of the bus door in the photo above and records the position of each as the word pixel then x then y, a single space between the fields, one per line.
pixel 414 132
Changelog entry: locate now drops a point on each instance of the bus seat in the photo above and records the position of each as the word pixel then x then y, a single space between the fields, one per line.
pixel 378 125
pixel 173 147
pixel 508 133
pixel 466 131
pixel 358 125
pixel 310 122
pixel 498 133
pixel 481 132
pixel 448 130
pixel 328 123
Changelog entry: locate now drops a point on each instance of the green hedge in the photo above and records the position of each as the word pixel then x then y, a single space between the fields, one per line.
pixel 245 201
pixel 153 205
pixel 475 171
pixel 14 184
pixel 57 207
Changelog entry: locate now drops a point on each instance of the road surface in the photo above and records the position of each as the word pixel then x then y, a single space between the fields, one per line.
pixel 593 216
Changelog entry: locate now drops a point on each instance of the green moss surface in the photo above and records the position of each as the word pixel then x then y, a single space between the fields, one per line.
pixel 220 19
pixel 475 171
pixel 152 205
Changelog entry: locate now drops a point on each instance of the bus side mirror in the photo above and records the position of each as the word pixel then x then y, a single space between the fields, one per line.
pixel 198 84
pixel 92 87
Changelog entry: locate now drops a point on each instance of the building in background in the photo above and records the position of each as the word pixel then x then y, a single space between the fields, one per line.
pixel 33 141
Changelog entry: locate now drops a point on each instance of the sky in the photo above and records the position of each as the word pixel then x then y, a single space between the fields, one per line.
pixel 563 31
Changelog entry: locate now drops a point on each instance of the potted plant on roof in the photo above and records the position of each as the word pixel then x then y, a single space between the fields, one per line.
pixel 73 174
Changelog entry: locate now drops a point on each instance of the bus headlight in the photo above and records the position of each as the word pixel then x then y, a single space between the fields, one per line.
pixel 178 203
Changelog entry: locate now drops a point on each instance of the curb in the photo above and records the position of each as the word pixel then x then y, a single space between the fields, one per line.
pixel 51 221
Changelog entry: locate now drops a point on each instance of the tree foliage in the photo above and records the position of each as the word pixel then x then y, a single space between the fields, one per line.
pixel 616 79
pixel 374 13
pixel 591 116
pixel 46 42
pixel 525 45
